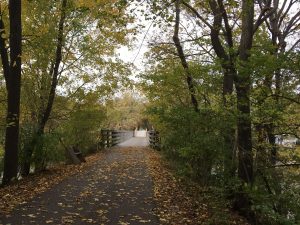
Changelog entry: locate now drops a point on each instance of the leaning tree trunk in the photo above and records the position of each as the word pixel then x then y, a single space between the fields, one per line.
pixel 55 71
pixel 45 113
pixel 13 84
pixel 184 63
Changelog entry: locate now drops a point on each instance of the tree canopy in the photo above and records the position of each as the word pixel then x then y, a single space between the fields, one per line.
pixel 220 82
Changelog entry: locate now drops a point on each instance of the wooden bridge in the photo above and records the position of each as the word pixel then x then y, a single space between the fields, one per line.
pixel 127 138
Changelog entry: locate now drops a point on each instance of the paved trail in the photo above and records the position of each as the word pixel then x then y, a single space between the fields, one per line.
pixel 135 142
pixel 116 190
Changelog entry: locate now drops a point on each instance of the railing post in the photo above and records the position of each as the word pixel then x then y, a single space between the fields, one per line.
pixel 105 139
pixel 102 144
pixel 110 138
pixel 154 139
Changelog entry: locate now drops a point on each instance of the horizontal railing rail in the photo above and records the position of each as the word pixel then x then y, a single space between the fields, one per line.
pixel 110 138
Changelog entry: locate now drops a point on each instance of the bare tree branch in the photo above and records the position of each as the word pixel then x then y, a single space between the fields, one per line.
pixel 197 14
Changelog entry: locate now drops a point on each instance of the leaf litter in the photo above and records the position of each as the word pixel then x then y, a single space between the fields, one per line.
pixel 176 202
pixel 24 190
pixel 182 203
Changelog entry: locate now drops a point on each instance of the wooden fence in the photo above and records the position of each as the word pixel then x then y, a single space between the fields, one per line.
pixel 110 138
pixel 154 139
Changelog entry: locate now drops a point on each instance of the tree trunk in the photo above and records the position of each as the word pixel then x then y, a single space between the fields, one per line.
pixel 13 84
pixel 245 167
pixel 243 86
pixel 27 154
pixel 280 26
pixel 54 72
pixel 229 72
pixel 189 77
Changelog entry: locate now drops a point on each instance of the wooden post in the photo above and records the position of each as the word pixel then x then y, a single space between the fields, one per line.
pixel 105 139
pixel 154 139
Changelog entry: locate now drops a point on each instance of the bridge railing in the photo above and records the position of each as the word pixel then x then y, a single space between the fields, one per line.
pixel 154 139
pixel 110 138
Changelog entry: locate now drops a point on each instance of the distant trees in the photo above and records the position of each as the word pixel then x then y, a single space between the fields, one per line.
pixel 126 112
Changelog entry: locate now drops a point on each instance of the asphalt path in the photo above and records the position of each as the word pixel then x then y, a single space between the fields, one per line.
pixel 135 142
pixel 116 190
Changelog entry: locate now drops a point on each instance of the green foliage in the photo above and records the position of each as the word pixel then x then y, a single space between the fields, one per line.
pixel 27 141
pixel 1 151
pixel 279 203
pixel 194 140
pixel 89 74
pixel 45 147
pixel 83 127
pixel 47 151
pixel 125 112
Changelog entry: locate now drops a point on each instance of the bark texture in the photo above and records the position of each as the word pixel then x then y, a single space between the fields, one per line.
pixel 12 74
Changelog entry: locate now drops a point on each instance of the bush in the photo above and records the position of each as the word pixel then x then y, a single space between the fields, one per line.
pixel 47 150
pixel 83 129
pixel 44 148
pixel 274 202
pixel 193 140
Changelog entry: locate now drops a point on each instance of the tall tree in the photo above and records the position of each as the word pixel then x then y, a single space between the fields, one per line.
pixel 281 24
pixel 12 73
pixel 184 63
pixel 44 113
pixel 68 44
pixel 250 40
pixel 54 69
pixel 243 85
pixel 236 71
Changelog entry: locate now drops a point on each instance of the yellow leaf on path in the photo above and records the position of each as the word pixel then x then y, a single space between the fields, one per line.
pixel 145 221
pixel 31 216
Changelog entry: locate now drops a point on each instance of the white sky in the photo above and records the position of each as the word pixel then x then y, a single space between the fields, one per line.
pixel 135 54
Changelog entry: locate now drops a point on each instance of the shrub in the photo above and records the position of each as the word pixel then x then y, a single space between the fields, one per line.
pixel 83 129
pixel 193 140
pixel 44 148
